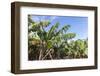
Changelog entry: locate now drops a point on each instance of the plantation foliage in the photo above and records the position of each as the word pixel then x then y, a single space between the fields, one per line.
pixel 54 43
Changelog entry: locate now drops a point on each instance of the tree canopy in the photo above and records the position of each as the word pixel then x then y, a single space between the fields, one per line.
pixel 54 43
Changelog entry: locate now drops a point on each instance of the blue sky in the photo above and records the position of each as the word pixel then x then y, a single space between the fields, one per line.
pixel 79 25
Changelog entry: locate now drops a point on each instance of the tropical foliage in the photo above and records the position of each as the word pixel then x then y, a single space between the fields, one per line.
pixel 54 43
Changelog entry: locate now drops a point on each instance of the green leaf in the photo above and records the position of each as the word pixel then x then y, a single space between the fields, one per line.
pixel 49 44
pixel 52 30
pixel 69 35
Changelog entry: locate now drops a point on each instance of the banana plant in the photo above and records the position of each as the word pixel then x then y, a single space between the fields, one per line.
pixel 53 44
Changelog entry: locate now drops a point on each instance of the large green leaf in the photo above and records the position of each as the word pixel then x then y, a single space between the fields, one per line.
pixel 45 23
pixel 52 30
pixel 69 36
pixel 49 44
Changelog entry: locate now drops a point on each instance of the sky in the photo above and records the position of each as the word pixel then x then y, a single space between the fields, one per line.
pixel 79 25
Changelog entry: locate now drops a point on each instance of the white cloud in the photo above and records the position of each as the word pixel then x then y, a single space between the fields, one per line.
pixel 40 18
pixel 43 18
pixel 35 18
pixel 53 18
